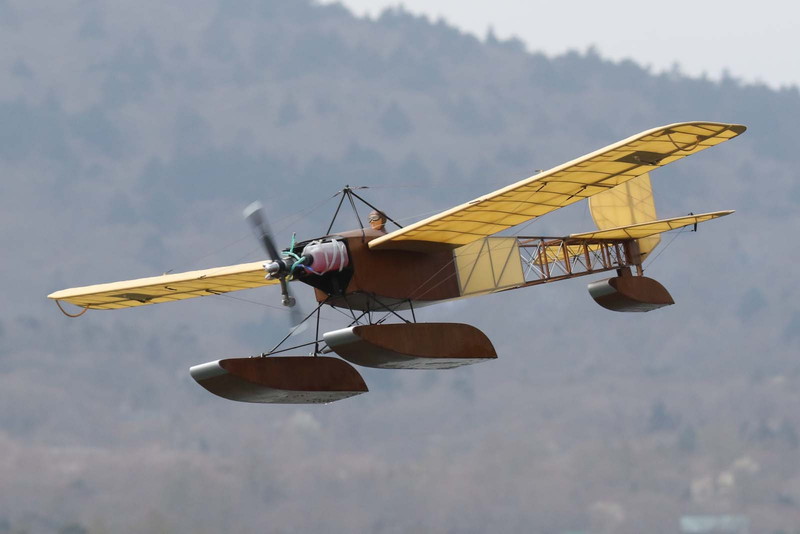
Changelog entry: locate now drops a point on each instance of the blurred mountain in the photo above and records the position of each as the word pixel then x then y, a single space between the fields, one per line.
pixel 133 134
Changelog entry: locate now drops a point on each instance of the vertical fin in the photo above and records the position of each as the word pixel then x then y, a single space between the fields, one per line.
pixel 629 203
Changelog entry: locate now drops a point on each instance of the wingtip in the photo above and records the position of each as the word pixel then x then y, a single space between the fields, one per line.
pixel 716 214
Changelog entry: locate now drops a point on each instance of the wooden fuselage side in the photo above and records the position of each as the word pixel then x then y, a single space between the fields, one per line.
pixel 389 277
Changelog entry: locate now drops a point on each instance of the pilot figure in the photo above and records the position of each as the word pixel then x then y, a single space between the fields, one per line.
pixel 377 220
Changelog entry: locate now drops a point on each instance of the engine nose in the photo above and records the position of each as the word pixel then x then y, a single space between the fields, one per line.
pixel 274 268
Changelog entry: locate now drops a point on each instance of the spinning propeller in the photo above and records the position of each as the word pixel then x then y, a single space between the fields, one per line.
pixel 279 265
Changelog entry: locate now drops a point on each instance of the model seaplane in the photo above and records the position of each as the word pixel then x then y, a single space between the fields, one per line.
pixel 455 254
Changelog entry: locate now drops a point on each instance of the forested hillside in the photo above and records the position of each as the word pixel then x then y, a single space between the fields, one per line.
pixel 132 135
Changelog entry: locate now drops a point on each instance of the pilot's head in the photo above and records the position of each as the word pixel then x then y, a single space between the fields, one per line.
pixel 377 220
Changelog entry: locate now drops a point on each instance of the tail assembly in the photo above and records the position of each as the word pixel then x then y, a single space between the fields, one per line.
pixel 628 212
pixel 626 204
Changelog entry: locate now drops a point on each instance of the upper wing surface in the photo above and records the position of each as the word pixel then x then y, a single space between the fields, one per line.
pixel 560 186
pixel 166 288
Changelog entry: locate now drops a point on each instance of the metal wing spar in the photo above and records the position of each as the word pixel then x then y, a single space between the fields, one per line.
pixel 560 186
pixel 166 288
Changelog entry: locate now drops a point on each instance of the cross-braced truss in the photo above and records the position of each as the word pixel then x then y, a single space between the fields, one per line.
pixel 547 259
pixel 496 264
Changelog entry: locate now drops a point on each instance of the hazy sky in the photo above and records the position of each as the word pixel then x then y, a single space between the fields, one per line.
pixel 754 40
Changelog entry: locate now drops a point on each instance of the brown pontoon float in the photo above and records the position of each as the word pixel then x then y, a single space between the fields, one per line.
pixel 280 379
pixel 411 345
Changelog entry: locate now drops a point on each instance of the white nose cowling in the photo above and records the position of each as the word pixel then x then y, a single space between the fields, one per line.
pixel 327 256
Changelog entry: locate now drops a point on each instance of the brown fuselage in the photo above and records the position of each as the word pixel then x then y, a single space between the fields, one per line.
pixel 396 278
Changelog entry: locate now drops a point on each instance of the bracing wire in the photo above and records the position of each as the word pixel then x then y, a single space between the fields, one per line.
pixel 286 223
pixel 248 301
pixel 649 263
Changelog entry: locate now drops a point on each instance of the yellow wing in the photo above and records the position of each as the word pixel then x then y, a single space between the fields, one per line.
pixel 166 288
pixel 560 186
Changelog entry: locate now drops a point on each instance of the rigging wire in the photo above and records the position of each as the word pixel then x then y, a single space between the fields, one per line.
pixel 358 217
pixel 418 289
pixel 248 301
pixel 376 209
pixel 240 299
pixel 335 214
pixel 649 263
pixel 285 224
pixel 291 332
pixel 420 215
pixel 395 186
pixel 266 354
pixel 299 215
pixel 213 252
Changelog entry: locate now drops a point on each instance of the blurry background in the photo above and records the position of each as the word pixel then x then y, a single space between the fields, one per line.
pixel 132 135
pixel 753 40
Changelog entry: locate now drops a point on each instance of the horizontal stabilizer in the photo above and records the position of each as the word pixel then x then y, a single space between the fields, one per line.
pixel 638 231
pixel 166 288
pixel 583 243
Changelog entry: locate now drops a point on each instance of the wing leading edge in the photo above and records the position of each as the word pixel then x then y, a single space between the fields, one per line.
pixel 166 288
pixel 560 186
